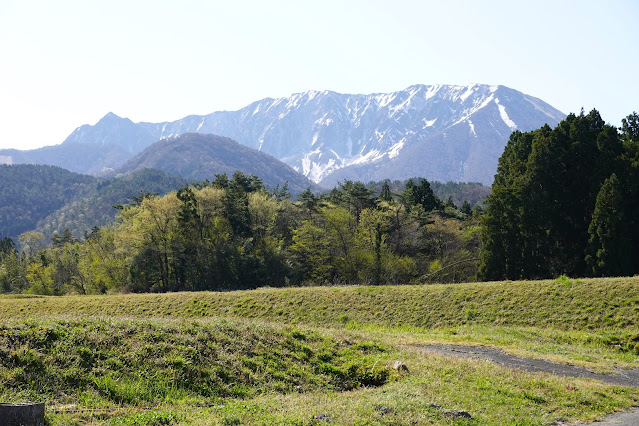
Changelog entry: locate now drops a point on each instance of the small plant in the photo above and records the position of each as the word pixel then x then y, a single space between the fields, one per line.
pixel 564 281
pixel 627 343
pixel 369 347
pixel 151 418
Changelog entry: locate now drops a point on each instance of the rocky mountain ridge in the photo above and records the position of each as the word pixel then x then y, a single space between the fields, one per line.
pixel 441 132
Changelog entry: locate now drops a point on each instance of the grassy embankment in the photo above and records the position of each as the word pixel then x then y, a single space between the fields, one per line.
pixel 174 353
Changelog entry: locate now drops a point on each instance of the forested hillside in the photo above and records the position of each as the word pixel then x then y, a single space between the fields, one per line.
pixel 565 201
pixel 29 193
pixel 197 157
pixel 96 207
pixel 51 199
pixel 232 233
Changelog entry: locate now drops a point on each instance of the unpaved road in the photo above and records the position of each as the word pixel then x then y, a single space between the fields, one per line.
pixel 623 377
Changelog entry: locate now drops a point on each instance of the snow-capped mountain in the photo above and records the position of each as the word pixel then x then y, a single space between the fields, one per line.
pixel 440 132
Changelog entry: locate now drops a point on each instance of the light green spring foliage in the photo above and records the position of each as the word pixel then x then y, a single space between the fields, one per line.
pixel 232 234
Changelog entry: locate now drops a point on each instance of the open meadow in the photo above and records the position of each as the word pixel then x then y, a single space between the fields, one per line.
pixel 310 355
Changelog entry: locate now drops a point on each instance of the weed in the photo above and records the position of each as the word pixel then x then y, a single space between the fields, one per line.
pixel 151 418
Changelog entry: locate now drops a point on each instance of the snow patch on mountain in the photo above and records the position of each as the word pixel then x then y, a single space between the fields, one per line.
pixel 394 150
pixel 469 91
pixel 504 115
pixel 429 123
pixel 478 104
pixel 472 128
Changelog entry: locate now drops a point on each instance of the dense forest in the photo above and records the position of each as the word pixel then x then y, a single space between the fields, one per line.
pixel 232 233
pixel 29 193
pixel 565 201
pixel 96 207
pixel 49 199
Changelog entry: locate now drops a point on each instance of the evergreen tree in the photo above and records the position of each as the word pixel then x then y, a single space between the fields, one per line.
pixel 420 195
pixel 609 246
pixel 630 127
pixel 385 194
pixel 537 218
pixel 501 254
pixel 65 238
pixel 450 204
pixel 466 208
pixel 424 196
pixel 353 196
pixel 309 202
pixel 6 246
pixel 188 248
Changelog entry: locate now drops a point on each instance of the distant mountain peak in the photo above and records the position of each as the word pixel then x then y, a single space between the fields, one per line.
pixel 320 132
pixel 109 116
pixel 113 130
pixel 441 132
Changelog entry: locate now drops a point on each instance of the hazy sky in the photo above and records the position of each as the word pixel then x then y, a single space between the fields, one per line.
pixel 67 63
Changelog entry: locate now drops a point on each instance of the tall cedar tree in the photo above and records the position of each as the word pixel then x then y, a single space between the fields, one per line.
pixel 539 221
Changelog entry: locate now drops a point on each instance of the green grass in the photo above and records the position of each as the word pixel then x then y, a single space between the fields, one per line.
pixel 564 304
pixel 154 372
pixel 282 356
pixel 98 362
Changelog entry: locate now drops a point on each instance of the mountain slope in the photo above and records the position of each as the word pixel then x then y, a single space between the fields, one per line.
pixel 197 157
pixel 49 198
pixel 29 193
pixel 76 157
pixel 440 132
pixel 95 207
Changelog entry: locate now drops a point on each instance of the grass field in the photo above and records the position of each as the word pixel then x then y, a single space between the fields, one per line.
pixel 304 355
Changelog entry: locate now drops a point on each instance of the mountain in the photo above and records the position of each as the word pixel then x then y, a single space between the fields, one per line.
pixel 49 198
pixel 197 157
pixel 445 133
pixel 440 132
pixel 112 130
pixel 76 157
pixel 95 207
pixel 89 149
pixel 29 193
pixel 452 134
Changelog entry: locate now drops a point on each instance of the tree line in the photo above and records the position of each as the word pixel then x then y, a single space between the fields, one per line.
pixel 565 201
pixel 233 233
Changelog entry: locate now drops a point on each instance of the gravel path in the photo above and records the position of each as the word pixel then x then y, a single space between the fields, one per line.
pixel 627 418
pixel 623 377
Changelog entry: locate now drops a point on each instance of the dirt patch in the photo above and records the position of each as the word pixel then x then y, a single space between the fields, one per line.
pixel 622 377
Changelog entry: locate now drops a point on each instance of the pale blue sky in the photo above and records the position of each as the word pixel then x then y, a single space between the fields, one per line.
pixel 67 63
